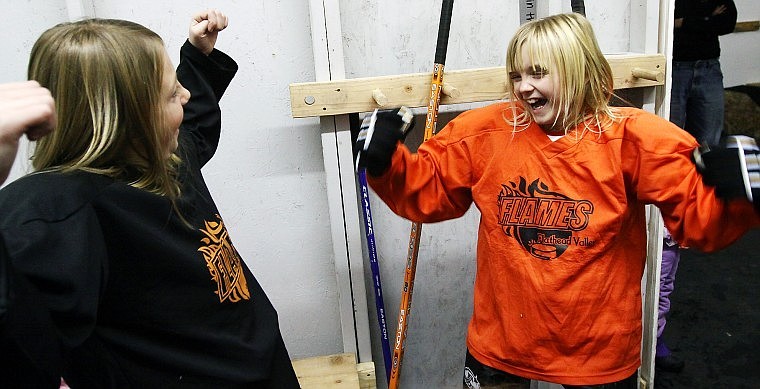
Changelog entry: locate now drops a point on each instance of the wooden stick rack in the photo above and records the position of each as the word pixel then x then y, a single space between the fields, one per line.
pixel 461 86
pixel 752 25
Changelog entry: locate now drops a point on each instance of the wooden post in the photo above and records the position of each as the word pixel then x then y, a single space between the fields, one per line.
pixel 341 185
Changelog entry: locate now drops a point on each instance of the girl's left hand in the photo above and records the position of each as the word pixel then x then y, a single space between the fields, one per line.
pixel 204 28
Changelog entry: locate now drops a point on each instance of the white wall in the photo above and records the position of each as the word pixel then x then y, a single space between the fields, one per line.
pixel 25 24
pixel 740 51
pixel 268 175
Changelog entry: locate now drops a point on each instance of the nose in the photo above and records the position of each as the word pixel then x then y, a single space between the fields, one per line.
pixel 524 86
pixel 184 95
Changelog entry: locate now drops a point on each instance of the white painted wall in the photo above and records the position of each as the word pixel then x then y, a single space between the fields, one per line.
pixel 268 176
pixel 25 23
pixel 740 51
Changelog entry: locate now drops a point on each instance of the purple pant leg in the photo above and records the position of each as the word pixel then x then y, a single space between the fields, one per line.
pixel 670 258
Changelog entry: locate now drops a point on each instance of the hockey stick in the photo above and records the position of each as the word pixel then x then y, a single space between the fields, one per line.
pixel 414 235
pixel 578 6
pixel 372 249
pixel 365 132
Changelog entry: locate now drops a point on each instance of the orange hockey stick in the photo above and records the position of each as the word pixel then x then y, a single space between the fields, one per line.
pixel 414 235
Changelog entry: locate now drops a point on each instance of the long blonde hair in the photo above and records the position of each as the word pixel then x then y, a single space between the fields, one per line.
pixel 105 76
pixel 565 44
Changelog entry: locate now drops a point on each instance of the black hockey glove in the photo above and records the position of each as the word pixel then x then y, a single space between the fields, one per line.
pixel 378 137
pixel 733 168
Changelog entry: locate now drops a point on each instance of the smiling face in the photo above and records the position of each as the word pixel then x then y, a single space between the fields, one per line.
pixel 559 74
pixel 537 89
pixel 173 97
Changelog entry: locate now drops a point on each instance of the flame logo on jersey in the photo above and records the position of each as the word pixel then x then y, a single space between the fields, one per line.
pixel 224 263
pixel 542 221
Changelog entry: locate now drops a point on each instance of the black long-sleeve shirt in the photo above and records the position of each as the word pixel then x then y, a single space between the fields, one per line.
pixel 137 297
pixel 697 38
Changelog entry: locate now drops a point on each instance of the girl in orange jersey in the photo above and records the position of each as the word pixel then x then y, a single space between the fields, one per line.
pixel 561 179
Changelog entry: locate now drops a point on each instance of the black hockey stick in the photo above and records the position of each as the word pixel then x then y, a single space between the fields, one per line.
pixel 578 6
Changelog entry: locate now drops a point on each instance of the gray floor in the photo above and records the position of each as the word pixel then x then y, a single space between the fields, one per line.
pixel 715 320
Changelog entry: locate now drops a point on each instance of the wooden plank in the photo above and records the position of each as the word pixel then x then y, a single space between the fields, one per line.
pixel 343 203
pixel 627 67
pixel 657 101
pixel 326 372
pixel 319 35
pixel 329 98
pixel 753 25
pixel 366 372
pixel 651 296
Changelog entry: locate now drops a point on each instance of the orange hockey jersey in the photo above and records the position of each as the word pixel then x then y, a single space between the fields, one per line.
pixel 562 237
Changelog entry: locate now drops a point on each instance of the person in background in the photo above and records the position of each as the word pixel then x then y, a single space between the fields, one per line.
pixel 696 105
pixel 696 102
pixel 561 179
pixel 121 270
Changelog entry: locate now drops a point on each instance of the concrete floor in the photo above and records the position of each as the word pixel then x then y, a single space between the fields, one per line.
pixel 715 319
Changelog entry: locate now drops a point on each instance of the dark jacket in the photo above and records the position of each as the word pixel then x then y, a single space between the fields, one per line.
pixel 697 38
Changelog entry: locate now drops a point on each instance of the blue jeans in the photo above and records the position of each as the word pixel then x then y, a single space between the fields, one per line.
pixel 696 101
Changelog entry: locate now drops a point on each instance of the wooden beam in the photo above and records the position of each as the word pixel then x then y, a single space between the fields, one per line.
pixel 328 98
pixel 747 26
pixel 366 371
pixel 338 371
pixel 343 202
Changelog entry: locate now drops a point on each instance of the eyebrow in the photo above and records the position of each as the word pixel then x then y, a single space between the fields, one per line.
pixel 537 68
pixel 532 69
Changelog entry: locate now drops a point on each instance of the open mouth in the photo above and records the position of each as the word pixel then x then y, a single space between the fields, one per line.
pixel 536 103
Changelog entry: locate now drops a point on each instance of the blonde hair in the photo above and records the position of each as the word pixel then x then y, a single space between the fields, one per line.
pixel 565 45
pixel 105 76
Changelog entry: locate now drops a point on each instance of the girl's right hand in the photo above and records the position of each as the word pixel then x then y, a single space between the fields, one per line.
pixel 204 28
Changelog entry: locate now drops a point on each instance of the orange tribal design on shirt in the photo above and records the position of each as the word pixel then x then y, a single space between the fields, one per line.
pixel 223 262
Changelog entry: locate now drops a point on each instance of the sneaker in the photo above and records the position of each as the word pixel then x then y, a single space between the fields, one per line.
pixel 669 363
